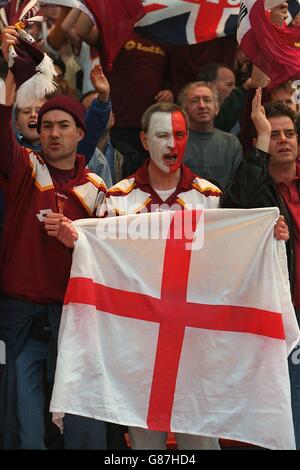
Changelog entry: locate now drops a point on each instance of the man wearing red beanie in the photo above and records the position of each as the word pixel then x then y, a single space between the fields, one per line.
pixel 66 104
pixel 35 267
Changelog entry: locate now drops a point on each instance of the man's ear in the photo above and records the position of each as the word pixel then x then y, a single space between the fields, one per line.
pixel 254 140
pixel 80 134
pixel 144 140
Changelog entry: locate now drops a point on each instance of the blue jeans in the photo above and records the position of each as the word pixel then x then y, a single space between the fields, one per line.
pixel 294 371
pixel 81 433
pixel 30 369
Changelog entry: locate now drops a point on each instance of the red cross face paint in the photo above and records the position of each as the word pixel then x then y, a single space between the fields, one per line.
pixel 167 138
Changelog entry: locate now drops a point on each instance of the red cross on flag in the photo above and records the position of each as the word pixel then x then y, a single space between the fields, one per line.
pixel 161 336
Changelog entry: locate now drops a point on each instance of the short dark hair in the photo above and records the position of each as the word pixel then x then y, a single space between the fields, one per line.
pixel 161 107
pixel 275 109
pixel 278 109
pixel 209 72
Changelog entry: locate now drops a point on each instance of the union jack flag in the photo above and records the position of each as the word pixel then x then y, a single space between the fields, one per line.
pixel 168 21
pixel 188 21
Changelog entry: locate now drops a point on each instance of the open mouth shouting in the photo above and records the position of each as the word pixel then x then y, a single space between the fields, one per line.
pixel 170 159
pixel 32 124
pixel 166 140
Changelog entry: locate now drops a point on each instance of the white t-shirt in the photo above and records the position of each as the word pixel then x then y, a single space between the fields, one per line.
pixel 165 194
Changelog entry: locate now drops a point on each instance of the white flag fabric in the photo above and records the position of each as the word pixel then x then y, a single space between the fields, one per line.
pixel 157 335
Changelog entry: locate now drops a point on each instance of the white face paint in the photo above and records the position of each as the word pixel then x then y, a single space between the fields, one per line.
pixel 166 138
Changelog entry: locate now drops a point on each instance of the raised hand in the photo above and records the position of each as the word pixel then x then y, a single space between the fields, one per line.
pixel 100 83
pixel 261 123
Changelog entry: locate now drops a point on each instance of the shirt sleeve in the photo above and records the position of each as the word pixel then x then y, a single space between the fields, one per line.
pixel 96 121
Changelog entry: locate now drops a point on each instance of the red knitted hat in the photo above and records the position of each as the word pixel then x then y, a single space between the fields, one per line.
pixel 67 104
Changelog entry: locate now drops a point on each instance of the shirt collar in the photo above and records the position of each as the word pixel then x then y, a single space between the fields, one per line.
pixel 187 176
pixel 296 177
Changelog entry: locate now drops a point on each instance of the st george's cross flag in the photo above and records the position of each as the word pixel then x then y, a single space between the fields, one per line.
pixel 172 334
pixel 271 48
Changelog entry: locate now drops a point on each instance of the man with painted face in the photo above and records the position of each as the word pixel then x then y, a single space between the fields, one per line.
pixel 162 183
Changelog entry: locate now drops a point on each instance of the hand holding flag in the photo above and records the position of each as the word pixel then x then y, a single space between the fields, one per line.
pixel 59 226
